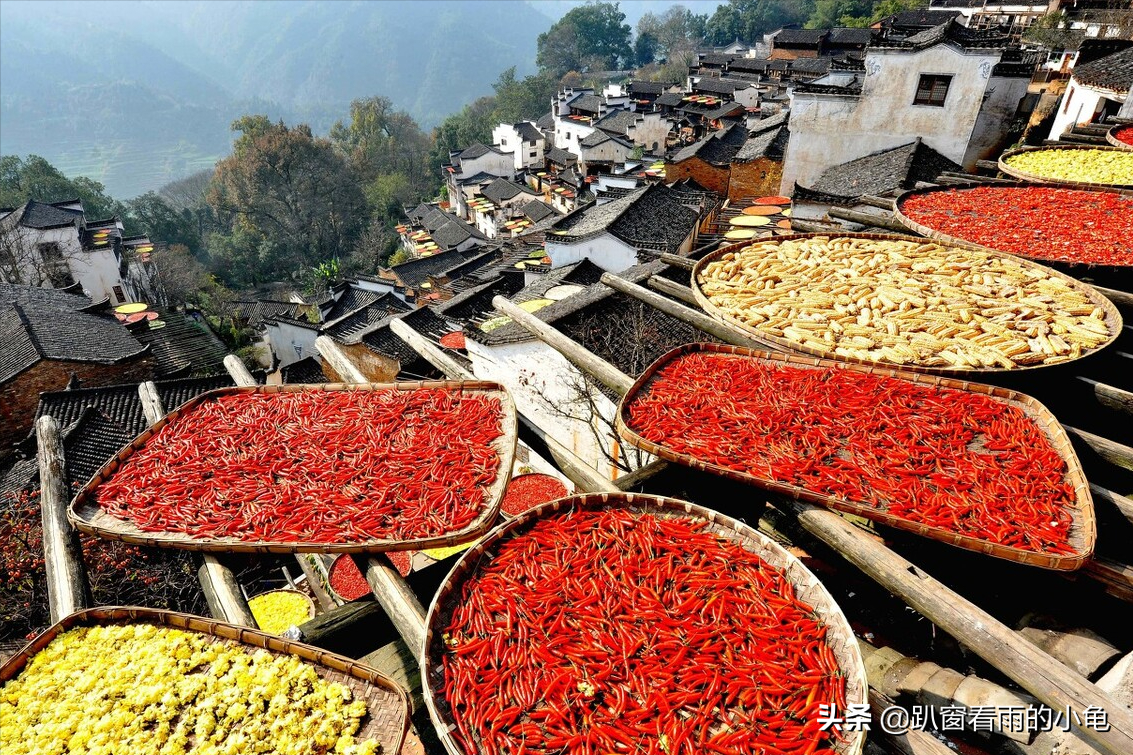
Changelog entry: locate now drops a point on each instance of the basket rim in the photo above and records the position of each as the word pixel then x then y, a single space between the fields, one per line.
pixel 85 514
pixel 800 577
pixel 1111 136
pixel 1113 319
pixel 1084 521
pixel 312 607
pixel 1036 178
pixel 945 238
pixel 245 637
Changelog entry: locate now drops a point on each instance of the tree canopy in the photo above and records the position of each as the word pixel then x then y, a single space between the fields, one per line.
pixel 590 37
pixel 35 178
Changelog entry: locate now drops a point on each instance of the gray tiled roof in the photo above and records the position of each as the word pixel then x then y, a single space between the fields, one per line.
pixel 183 346
pixel 502 190
pixel 476 150
pixel 346 328
pixel 670 99
pixel 617 121
pixel 561 156
pixel 42 215
pixel 897 168
pixel 652 217
pixel 537 210
pixel 800 37
pixel 771 144
pixel 546 122
pixel 648 87
pixel 599 137
pixel 35 326
pixel 350 299
pixel 528 131
pixel 412 273
pixel 850 36
pixel 1113 72
pixel 716 86
pixel 591 103
pixel 306 370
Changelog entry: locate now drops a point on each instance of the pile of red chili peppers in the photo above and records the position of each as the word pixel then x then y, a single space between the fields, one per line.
pixel 315 466
pixel 528 491
pixel 965 462
pixel 1061 225
pixel 615 631
pixel 1124 135
pixel 347 579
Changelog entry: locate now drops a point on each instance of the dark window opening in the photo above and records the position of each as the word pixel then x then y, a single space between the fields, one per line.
pixel 50 252
pixel 118 294
pixel 932 90
pixel 60 276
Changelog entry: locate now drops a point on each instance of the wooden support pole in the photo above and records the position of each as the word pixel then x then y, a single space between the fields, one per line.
pixel 912 742
pixel 339 361
pixel 801 225
pixel 865 218
pixel 1123 504
pixel 238 371
pixel 675 290
pixel 641 474
pixel 1122 299
pixel 693 317
pixel 151 402
pixel 1111 398
pixel 969 178
pixel 991 165
pixel 607 374
pixel 325 627
pixel 884 203
pixel 397 600
pixel 675 260
pixel 223 594
pixel 67 587
pixel 585 478
pixel 1115 453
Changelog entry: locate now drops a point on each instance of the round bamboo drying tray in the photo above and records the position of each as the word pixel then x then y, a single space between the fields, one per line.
pixel 1083 530
pixel 1112 316
pixel 86 515
pixel 388 703
pixel 1111 136
pixel 1036 178
pixel 840 636
pixel 944 238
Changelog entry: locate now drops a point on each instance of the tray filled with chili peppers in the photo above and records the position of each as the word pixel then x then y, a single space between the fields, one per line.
pixel 1058 226
pixel 1121 136
pixel 311 468
pixel 139 681
pixel 611 623
pixel 906 302
pixel 977 466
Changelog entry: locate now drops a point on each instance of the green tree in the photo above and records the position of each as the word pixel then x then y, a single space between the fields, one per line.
pixel 286 201
pixel 645 48
pixel 830 13
pixel 748 20
pixel 380 141
pixel 151 214
pixel 676 29
pixel 593 35
pixel 36 178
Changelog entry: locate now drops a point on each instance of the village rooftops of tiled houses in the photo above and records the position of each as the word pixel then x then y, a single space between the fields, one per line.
pixel 1113 73
pixel 649 218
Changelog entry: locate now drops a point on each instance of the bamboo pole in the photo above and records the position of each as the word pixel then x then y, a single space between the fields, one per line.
pixel 67 587
pixel 1035 671
pixel 1122 299
pixel 1121 503
pixel 238 371
pixel 674 290
pixel 151 402
pixel 883 203
pixel 339 361
pixel 880 221
pixel 675 260
pixel 607 374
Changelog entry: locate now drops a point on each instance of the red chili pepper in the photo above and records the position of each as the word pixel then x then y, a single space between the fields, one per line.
pixel 614 660
pixel 347 579
pixel 316 466
pixel 1124 135
pixel 964 461
pixel 528 491
pixel 1060 225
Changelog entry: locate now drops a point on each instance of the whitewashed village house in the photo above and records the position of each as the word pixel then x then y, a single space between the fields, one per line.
pixel 1096 91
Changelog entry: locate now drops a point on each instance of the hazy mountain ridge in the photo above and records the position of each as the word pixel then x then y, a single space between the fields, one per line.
pixel 136 94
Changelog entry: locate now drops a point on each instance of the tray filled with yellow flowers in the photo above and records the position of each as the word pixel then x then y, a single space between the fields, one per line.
pixel 112 680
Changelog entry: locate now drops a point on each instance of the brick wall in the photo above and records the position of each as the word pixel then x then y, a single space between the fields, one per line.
pixel 19 397
pixel 708 176
pixel 758 178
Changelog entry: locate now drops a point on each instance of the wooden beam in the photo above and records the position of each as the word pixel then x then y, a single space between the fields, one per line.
pixel 675 260
pixel 239 372
pixel 339 361
pixel 324 627
pixel 675 290
pixel 1122 299
pixel 912 742
pixel 1115 453
pixel 866 218
pixel 151 402
pixel 315 582
pixel 987 165
pixel 67 587
pixel 693 317
pixel 810 226
pixel 223 594
pixel 1025 664
pixel 977 179
pixel 430 352
pixel 397 600
pixel 603 371
pixel 884 203
pixel 1123 504
pixel 1112 398
pixel 641 474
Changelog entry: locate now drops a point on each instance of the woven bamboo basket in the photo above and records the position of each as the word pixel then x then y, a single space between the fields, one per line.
pixel 388 703
pixel 1036 178
pixel 944 238
pixel 840 636
pixel 1111 136
pixel 88 516
pixel 1083 529
pixel 1112 316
